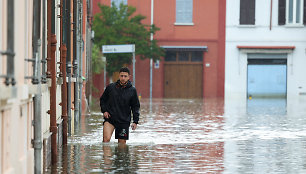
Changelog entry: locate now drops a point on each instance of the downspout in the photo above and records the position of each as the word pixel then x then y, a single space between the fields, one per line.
pixel 52 44
pixel 271 15
pixel 75 63
pixel 80 57
pixel 37 80
pixel 53 125
pixel 63 52
pixel 44 60
pixel 10 79
pixel 151 60
pixel 68 62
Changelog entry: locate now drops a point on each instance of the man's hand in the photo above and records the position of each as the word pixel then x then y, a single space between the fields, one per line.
pixel 106 115
pixel 134 126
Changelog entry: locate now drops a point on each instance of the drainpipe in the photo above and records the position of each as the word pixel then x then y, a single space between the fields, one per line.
pixel 10 79
pixel 151 60
pixel 52 68
pixel 64 96
pixel 49 26
pixel 75 63
pixel 44 60
pixel 37 121
pixel 68 62
pixel 80 57
pixel 63 52
pixel 53 125
pixel 271 14
pixel 36 80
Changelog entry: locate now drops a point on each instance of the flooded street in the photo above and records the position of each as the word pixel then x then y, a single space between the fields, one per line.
pixel 195 136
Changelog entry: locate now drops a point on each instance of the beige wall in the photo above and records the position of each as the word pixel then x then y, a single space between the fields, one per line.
pixel 16 103
pixel 16 110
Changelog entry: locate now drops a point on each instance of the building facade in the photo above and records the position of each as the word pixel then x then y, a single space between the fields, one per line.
pixel 44 64
pixel 192 32
pixel 265 49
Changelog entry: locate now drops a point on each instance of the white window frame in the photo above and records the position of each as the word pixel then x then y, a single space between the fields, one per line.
pixel 178 22
pixel 294 15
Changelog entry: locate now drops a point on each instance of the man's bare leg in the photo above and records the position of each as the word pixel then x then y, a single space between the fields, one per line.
pixel 108 130
pixel 121 141
pixel 107 155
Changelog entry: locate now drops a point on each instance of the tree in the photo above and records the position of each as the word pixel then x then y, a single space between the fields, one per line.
pixel 117 25
pixel 97 62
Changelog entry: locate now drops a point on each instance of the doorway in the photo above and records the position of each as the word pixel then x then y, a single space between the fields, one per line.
pixel 183 74
pixel 267 78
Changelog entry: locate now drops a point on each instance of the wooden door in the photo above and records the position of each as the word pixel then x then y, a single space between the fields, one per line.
pixel 183 80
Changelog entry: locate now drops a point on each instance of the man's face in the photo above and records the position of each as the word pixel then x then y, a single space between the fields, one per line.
pixel 124 77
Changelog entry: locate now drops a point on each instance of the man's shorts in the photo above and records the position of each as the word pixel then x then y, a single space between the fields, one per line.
pixel 121 129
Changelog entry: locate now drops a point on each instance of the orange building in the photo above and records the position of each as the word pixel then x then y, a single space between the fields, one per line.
pixel 193 35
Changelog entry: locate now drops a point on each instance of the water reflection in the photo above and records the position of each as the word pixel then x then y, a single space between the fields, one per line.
pixel 195 136
pixel 267 106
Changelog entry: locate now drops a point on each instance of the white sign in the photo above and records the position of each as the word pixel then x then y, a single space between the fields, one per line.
pixel 156 64
pixel 118 48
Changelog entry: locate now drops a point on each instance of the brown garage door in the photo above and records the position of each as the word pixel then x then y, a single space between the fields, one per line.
pixel 183 80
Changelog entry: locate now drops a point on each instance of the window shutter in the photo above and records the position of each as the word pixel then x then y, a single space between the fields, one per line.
pixel 247 12
pixel 304 16
pixel 251 18
pixel 282 12
pixel 243 11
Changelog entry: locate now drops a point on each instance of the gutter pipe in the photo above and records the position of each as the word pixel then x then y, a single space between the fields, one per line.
pixel 10 79
pixel 37 143
pixel 63 53
pixel 68 62
pixel 151 60
pixel 75 63
pixel 52 65
pixel 80 57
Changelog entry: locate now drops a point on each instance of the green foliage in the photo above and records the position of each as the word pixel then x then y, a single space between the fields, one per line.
pixel 97 63
pixel 117 25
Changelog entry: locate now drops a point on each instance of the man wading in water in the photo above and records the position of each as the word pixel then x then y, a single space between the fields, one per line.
pixel 117 102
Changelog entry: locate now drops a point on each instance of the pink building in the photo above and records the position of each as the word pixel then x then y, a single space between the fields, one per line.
pixel 193 35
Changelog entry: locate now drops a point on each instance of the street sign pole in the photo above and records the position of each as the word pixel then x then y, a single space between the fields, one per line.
pixel 104 60
pixel 134 74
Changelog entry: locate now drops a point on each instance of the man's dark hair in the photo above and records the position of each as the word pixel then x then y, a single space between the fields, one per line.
pixel 125 69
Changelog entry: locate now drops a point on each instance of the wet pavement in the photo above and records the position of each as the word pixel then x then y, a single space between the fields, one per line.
pixel 195 136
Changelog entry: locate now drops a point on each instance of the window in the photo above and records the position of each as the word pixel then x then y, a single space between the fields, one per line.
pixel 247 12
pixel 118 2
pixel 291 12
pixel 184 56
pixel 170 56
pixel 184 10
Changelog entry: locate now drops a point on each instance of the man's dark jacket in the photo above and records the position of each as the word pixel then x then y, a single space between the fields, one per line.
pixel 119 101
